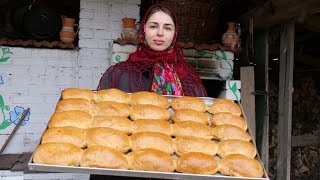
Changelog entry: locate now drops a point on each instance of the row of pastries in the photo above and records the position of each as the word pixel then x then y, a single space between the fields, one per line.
pixel 118 140
pixel 112 129
pixel 119 97
pixel 224 123
pixel 147 159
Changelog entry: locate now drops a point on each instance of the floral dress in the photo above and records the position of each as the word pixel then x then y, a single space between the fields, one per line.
pixel 166 81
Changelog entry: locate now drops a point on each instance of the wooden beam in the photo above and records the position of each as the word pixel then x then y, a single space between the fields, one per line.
pixel 247 97
pixel 273 12
pixel 265 139
pixel 306 140
pixel 285 101
pixel 312 22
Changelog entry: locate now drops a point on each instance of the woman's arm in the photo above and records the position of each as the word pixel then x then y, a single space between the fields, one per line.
pixel 125 80
pixel 191 88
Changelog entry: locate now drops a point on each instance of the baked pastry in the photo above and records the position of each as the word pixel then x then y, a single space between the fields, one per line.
pixel 240 165
pixel 63 154
pixel 104 157
pixel 153 140
pixel 74 104
pixel 145 97
pixel 190 115
pixel 143 125
pixel 186 144
pixel 197 163
pixel 190 128
pixel 108 137
pixel 77 93
pixel 147 111
pixel 236 146
pixel 225 105
pixel 150 160
pixel 112 94
pixel 229 119
pixel 224 132
pixel 109 108
pixel 75 118
pixel 187 102
pixel 72 135
pixel 114 122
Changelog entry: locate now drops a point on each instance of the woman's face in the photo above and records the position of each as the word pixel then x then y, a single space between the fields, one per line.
pixel 160 31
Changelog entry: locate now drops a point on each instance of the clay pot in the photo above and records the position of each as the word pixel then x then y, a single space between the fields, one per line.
pixel 129 34
pixel 68 33
pixel 230 38
pixel 129 22
pixel 69 22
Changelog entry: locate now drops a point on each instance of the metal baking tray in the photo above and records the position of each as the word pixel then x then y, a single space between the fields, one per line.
pixel 146 174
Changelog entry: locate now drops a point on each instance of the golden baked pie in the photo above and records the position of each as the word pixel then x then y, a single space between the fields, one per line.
pixel 72 135
pixel 112 94
pixel 64 154
pixel 190 128
pixel 150 160
pixel 240 165
pixel 109 108
pixel 145 97
pixel 153 140
pixel 104 157
pixel 187 102
pixel 143 125
pixel 190 115
pixel 236 146
pixel 197 163
pixel 147 111
pixel 115 122
pixel 224 132
pixel 225 106
pixel 229 119
pixel 108 137
pixel 75 118
pixel 186 144
pixel 74 104
pixel 77 93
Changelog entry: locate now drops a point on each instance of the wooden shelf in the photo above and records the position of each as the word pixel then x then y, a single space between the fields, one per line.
pixel 210 47
pixel 34 43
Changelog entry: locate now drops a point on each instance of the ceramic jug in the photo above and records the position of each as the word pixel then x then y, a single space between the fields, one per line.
pixel 68 33
pixel 230 38
pixel 129 31
pixel 129 22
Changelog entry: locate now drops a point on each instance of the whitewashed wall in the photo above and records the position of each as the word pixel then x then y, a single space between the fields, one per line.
pixel 35 77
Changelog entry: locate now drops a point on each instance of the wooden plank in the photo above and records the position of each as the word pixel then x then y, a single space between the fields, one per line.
pixel 261 84
pixel 8 160
pixel 274 12
pixel 265 131
pixel 285 101
pixel 306 140
pixel 247 98
pixel 22 163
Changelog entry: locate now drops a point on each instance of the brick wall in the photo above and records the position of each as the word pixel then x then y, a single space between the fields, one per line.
pixel 35 77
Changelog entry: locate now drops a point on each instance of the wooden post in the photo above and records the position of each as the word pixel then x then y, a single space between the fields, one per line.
pixel 248 101
pixel 262 103
pixel 285 101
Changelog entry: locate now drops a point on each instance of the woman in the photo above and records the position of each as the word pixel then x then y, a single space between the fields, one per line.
pixel 158 64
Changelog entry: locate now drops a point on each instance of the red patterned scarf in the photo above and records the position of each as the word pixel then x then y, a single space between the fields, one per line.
pixel 138 70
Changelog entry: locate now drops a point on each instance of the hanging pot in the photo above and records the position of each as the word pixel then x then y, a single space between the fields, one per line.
pixel 17 20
